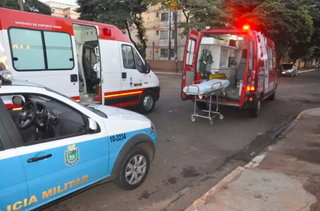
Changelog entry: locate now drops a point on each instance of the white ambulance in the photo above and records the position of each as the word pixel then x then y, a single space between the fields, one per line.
pixel 89 62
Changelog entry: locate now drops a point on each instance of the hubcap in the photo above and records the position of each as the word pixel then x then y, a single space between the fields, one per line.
pixel 148 102
pixel 136 169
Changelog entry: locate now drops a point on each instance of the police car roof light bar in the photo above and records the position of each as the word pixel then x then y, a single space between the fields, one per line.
pixel 5 78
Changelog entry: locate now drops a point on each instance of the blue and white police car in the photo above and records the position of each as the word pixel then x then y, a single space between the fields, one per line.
pixel 52 146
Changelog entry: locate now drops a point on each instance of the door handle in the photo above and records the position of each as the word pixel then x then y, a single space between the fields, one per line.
pixel 124 75
pixel 35 159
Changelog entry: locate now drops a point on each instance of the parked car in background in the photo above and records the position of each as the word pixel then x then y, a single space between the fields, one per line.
pixel 288 70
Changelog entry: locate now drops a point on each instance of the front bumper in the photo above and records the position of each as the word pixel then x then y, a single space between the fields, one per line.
pixel 287 73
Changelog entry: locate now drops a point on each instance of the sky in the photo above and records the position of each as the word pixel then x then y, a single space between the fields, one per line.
pixel 62 1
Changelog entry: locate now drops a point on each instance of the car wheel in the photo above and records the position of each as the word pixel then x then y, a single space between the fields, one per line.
pixel 202 105
pixel 255 110
pixel 134 169
pixel 147 102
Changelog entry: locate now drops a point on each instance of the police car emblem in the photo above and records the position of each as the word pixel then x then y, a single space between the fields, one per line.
pixel 71 155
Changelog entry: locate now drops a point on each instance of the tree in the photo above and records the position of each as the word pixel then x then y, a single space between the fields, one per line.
pixel 29 6
pixel 122 13
pixel 199 13
pixel 287 22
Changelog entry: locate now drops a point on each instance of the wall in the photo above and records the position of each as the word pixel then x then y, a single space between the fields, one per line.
pixel 163 65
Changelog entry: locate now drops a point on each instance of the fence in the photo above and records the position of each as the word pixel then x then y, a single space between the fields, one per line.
pixel 165 65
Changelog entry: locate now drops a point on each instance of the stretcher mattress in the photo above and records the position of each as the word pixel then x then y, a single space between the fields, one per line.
pixel 206 87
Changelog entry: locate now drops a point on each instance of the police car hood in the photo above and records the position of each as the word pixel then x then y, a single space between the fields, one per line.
pixel 118 113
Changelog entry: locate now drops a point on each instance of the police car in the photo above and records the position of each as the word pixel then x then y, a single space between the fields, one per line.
pixel 51 146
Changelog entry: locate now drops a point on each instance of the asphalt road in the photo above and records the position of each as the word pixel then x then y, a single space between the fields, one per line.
pixel 193 157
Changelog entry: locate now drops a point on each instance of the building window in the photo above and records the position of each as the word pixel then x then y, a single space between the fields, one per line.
pixel 157 15
pixel 157 32
pixel 164 17
pixel 31 53
pixel 164 53
pixel 164 35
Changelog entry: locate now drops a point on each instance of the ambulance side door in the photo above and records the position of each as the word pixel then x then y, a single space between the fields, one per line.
pixel 13 186
pixel 133 76
pixel 73 158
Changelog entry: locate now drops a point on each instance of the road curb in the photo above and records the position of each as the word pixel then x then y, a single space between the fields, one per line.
pixel 226 180
pixel 307 71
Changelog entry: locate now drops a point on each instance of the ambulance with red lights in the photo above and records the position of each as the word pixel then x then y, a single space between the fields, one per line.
pixel 244 57
pixel 89 62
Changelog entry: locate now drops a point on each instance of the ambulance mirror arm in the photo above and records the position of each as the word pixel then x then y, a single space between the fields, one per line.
pixel 147 67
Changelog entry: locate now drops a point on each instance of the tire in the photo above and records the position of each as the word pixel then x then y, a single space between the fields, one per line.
pixel 254 111
pixel 121 180
pixel 273 96
pixel 147 102
pixel 202 105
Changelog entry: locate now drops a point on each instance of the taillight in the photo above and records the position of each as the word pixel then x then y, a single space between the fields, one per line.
pixel 251 84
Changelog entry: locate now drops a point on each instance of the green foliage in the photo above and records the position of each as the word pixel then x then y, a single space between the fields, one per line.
pixel 122 13
pixel 289 23
pixel 29 6
pixel 198 14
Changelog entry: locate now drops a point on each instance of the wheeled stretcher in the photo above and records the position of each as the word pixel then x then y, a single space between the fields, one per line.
pixel 206 89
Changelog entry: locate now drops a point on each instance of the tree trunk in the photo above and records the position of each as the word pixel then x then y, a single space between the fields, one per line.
pixel 141 36
pixel 130 37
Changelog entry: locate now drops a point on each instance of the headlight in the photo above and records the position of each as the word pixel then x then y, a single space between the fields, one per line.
pixel 153 128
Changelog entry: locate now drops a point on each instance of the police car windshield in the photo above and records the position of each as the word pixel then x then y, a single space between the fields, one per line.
pixel 100 113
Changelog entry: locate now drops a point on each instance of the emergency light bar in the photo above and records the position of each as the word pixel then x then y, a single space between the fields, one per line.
pixel 5 78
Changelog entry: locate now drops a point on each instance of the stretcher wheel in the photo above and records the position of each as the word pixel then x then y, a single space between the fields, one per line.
pixel 193 119
pixel 221 117
pixel 211 121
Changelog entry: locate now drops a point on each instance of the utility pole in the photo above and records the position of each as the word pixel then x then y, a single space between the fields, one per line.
pixel 152 50
pixel 169 54
pixel 21 5
pixel 175 15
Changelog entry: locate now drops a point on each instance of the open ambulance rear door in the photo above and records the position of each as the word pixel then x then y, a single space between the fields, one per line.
pixel 190 61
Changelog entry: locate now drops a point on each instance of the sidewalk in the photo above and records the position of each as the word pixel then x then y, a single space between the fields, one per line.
pixel 286 177
pixel 179 73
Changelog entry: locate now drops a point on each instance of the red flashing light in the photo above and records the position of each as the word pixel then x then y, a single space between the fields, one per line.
pixel 106 32
pixel 246 27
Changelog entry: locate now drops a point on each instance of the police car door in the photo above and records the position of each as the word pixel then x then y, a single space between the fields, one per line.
pixel 71 160
pixel 13 187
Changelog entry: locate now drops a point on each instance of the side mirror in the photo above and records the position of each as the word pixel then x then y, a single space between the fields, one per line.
pixel 17 101
pixel 93 126
pixel 147 67
pixel 96 51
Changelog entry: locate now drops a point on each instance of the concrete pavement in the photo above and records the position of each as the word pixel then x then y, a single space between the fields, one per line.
pixel 193 157
pixel 287 178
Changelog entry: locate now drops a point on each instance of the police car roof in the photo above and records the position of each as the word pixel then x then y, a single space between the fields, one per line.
pixel 16 82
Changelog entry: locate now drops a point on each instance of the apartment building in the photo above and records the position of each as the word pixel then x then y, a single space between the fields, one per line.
pixel 63 10
pixel 157 25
